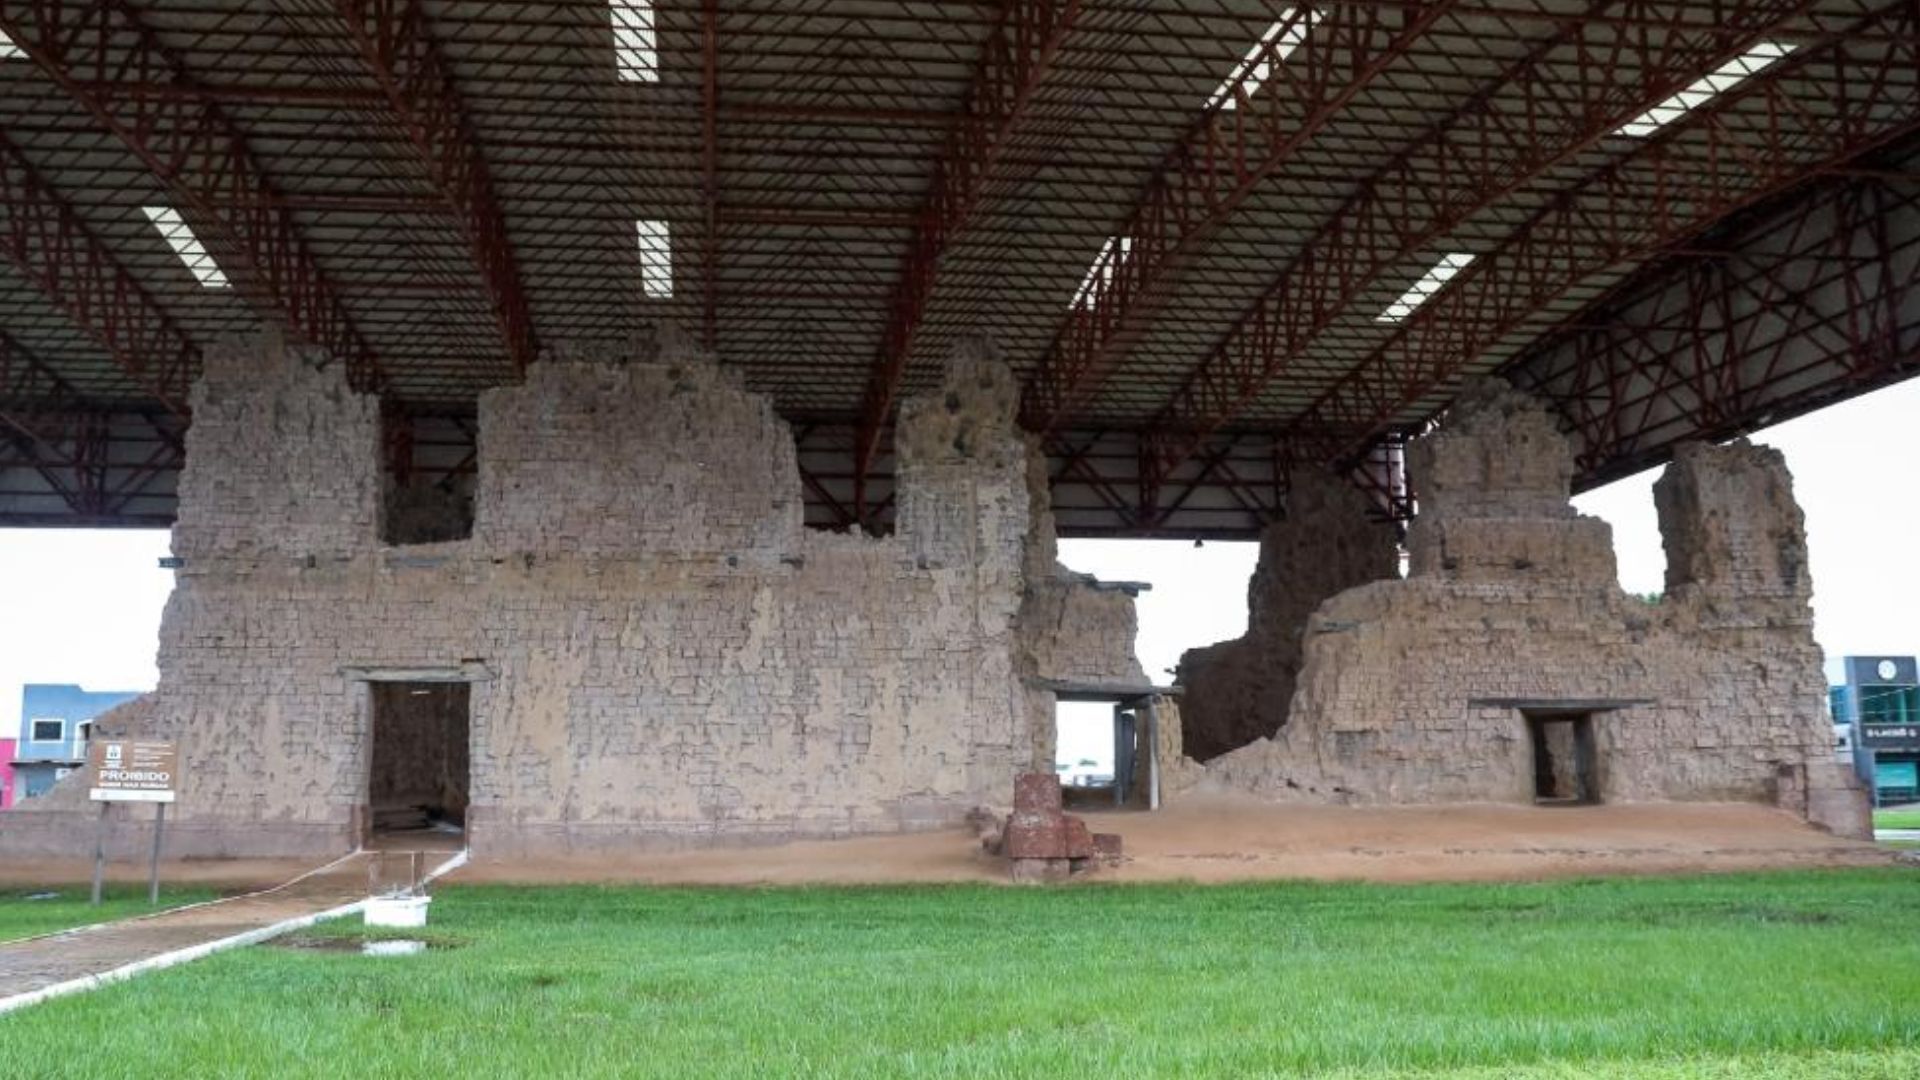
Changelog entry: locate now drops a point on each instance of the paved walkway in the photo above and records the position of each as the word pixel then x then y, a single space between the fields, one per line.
pixel 38 963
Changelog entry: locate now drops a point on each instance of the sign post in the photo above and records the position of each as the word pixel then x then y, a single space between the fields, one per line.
pixel 131 770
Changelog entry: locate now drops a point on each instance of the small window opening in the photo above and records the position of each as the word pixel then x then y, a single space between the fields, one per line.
pixel 1705 89
pixel 656 259
pixel 1423 290
pixel 1103 273
pixel 49 731
pixel 634 55
pixel 418 780
pixel 1254 69
pixel 179 236
pixel 1565 765
pixel 427 497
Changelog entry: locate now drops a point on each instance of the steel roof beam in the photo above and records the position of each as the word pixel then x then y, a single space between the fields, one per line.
pixel 1221 160
pixel 64 438
pixel 396 45
pixel 1015 60
pixel 1565 96
pixel 44 240
pixel 200 157
pixel 1814 301
pixel 1688 177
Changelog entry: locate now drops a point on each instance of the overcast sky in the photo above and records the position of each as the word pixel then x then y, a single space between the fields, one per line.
pixel 84 606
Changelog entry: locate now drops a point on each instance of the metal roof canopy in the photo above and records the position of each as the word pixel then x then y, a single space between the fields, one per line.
pixel 442 193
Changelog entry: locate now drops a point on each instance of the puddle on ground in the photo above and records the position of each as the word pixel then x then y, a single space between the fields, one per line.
pixel 363 946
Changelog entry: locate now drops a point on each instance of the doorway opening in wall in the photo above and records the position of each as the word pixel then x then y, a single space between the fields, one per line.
pixel 419 770
pixel 1102 749
pixel 1565 763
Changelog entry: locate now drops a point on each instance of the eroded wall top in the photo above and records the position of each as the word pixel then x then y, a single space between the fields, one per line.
pixel 283 457
pixel 663 454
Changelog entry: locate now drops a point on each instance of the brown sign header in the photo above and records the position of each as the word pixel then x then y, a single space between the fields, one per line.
pixel 129 770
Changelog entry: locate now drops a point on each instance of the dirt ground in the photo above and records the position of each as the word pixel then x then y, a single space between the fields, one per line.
pixel 1222 838
pixel 1214 838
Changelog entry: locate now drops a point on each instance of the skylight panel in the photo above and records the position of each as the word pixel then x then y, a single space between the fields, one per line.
pixel 173 229
pixel 656 259
pixel 1256 67
pixel 1430 282
pixel 633 43
pixel 1722 79
pixel 8 50
pixel 1101 274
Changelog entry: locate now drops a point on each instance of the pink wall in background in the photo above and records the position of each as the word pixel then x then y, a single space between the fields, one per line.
pixel 6 773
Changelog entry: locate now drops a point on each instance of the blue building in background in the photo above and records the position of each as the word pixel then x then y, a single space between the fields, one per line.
pixel 55 724
pixel 1880 702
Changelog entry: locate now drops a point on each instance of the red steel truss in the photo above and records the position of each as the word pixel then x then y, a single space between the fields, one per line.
pixel 398 49
pixel 67 443
pixel 1690 175
pixel 1014 61
pixel 1220 162
pixel 90 48
pixel 1508 136
pixel 1808 302
pixel 44 240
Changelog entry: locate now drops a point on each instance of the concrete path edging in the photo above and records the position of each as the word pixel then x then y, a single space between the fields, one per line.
pixel 190 953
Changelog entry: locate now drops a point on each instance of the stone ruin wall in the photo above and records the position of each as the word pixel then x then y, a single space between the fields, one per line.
pixel 662 654
pixel 1412 691
pixel 1238 691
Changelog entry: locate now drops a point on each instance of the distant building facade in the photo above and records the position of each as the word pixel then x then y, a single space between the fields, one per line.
pixel 55 723
pixel 1880 703
pixel 6 773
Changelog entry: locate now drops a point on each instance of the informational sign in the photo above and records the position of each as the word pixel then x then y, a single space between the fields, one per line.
pixel 132 770
pixel 1890 736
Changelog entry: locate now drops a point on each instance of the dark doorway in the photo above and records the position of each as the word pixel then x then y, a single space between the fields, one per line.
pixel 417 781
pixel 1564 761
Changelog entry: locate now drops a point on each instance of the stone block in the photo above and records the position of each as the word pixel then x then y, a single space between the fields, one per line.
pixel 1036 793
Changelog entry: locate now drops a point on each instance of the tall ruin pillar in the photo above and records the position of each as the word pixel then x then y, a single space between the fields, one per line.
pixel 1239 691
pixel 1737 574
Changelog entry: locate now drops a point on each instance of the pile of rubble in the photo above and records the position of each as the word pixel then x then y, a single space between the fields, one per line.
pixel 1043 843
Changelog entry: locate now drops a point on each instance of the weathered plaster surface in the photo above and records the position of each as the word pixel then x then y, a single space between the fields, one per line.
pixel 663 654
pixel 1416 690
pixel 1238 691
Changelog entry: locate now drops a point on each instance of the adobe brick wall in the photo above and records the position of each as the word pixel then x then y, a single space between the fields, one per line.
pixel 664 655
pixel 1409 690
pixel 1238 691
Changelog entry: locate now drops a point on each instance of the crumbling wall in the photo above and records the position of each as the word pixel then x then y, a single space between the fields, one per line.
pixel 1239 691
pixel 661 655
pixel 299 453
pixel 1419 690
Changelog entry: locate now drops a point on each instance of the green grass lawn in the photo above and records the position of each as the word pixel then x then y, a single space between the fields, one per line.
pixel 1783 975
pixel 1896 819
pixel 21 917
